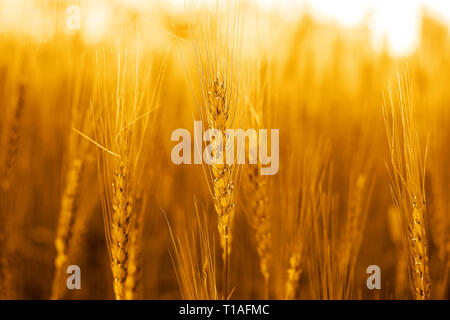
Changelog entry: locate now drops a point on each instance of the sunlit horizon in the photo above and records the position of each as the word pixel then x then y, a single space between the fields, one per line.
pixel 395 23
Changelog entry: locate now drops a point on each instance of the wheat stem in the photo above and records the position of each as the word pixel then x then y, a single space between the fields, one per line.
pixel 65 224
pixel 408 183
pixel 13 140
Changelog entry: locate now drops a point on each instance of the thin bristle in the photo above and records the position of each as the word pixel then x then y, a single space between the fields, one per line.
pixel 293 276
pixel 194 261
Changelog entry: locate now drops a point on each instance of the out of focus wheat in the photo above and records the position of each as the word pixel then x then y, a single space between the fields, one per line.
pixel 86 122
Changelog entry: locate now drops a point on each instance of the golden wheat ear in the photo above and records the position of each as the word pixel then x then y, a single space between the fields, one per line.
pixel 216 42
pixel 127 95
pixel 407 171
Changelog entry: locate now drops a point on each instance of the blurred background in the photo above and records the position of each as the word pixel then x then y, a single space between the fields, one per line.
pixel 327 64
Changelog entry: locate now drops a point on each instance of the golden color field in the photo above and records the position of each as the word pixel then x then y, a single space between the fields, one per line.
pixel 87 176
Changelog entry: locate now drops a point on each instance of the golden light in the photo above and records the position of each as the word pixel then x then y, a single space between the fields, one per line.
pixel 117 118
pixel 396 22
pixel 96 19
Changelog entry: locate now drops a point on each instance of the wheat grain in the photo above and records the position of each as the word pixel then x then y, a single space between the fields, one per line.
pixel 255 184
pixel 6 168
pixel 135 256
pixel 294 271
pixel 222 174
pixel 308 202
pixel 122 206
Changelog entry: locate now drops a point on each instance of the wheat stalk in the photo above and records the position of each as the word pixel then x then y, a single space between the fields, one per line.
pixel 351 229
pixel 122 129
pixel 77 152
pixel 293 275
pixel 313 217
pixel 66 221
pixel 194 261
pixel 6 168
pixel 216 46
pixel 255 184
pixel 407 172
pixel 260 220
pixel 135 256
pixel 439 222
pixel 13 139
pixel 221 173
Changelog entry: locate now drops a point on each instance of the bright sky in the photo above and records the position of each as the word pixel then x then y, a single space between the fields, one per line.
pixel 396 20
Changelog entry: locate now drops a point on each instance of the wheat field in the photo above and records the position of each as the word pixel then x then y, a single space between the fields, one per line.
pixel 87 176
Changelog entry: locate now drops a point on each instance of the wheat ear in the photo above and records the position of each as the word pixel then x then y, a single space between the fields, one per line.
pixel 194 261
pixel 122 206
pixel 65 222
pixel 6 167
pixel 221 172
pixel 13 139
pixel 407 173
pixel 304 203
pixel 293 276
pixel 135 256
pixel 260 220
pixel 216 44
